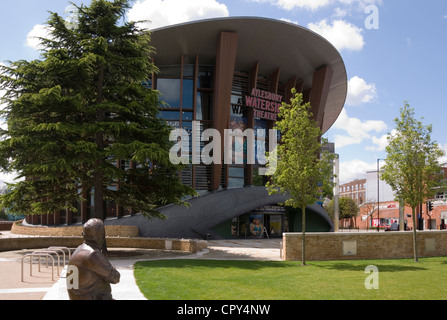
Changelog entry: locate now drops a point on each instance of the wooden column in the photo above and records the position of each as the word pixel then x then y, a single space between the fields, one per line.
pixel 299 87
pixel 252 82
pixel 68 216
pixel 321 84
pixel 57 217
pixel 50 219
pixel 84 206
pixel 224 73
pixel 274 81
pixel 194 115
pixel 306 95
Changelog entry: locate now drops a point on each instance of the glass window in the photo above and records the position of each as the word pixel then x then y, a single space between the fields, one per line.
pixel 173 124
pixel 173 72
pixel 169 115
pixel 188 71
pixel 235 183
pixel 260 141
pixel 188 116
pixel 169 92
pixel 204 106
pixel 205 78
pixel 188 93
pixel 236 172
pixel 236 177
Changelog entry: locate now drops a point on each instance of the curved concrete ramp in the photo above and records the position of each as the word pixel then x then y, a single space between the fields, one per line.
pixel 205 213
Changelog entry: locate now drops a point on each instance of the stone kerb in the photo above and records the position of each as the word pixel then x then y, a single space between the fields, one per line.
pixel 363 245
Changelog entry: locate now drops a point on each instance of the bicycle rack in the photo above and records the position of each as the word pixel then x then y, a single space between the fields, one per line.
pixel 49 252
pixel 63 250
pixel 39 255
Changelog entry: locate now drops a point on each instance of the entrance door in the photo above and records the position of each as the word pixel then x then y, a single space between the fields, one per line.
pixel 274 224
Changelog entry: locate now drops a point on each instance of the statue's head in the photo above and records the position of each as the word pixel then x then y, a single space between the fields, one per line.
pixel 93 231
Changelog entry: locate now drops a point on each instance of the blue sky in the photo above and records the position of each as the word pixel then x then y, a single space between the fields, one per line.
pixel 405 59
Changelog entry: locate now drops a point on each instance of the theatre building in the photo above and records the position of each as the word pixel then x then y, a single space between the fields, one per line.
pixel 234 73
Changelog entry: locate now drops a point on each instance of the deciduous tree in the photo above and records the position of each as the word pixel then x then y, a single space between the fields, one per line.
pixel 303 169
pixel 412 168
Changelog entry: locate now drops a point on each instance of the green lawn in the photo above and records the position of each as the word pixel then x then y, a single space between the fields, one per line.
pixel 268 280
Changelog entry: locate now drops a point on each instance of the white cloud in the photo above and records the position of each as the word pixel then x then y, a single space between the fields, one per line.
pixel 343 35
pixel 8 178
pixel 314 5
pixel 306 4
pixel 357 131
pixel 443 159
pixel 168 12
pixel 340 13
pixel 380 143
pixel 289 21
pixel 354 169
pixel 360 92
pixel 292 4
pixel 361 3
pixel 38 31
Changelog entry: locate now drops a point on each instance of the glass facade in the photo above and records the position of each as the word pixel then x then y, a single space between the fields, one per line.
pixel 187 94
pixel 178 85
pixel 264 222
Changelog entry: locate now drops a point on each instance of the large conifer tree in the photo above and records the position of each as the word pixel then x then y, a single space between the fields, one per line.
pixel 81 118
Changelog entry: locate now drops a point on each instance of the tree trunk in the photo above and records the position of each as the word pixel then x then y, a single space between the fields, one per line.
pixel 415 243
pixel 303 251
pixel 99 175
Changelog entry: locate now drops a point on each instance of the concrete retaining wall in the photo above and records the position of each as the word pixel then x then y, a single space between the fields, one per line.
pixel 111 231
pixel 363 245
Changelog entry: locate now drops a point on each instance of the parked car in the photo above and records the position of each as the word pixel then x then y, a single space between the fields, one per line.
pixel 384 227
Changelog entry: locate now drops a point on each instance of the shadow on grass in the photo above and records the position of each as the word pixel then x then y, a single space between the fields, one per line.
pixel 185 263
pixel 354 266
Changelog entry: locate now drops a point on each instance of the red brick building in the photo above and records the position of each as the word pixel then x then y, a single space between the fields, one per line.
pixel 429 217
pixel 356 190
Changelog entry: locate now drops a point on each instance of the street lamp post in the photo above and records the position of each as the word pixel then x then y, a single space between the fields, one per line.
pixel 336 195
pixel 378 200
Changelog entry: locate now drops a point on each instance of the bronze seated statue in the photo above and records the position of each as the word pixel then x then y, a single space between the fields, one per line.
pixel 91 272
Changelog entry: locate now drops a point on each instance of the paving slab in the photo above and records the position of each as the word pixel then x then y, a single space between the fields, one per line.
pixel 41 287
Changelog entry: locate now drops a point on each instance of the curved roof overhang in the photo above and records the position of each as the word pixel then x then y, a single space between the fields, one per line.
pixel 275 44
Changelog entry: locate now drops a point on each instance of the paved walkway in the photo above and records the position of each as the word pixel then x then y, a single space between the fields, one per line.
pixel 39 286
